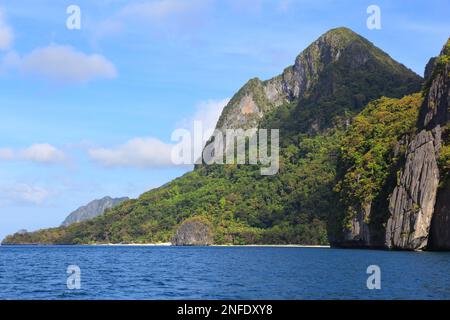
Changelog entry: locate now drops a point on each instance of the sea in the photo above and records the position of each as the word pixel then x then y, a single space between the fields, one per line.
pixel 165 272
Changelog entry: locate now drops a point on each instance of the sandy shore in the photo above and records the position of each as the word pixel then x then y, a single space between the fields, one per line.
pixel 165 244
pixel 162 244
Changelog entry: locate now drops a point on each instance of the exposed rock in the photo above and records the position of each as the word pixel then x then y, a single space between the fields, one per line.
pixel 193 232
pixel 412 203
pixel 436 111
pixel 438 114
pixel 359 233
pixel 92 210
pixel 429 69
pixel 440 225
pixel 257 98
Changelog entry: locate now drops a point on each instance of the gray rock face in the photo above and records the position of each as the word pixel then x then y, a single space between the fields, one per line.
pixel 429 69
pixel 359 233
pixel 436 111
pixel 437 114
pixel 419 210
pixel 256 98
pixel 193 233
pixel 440 225
pixel 92 210
pixel 411 204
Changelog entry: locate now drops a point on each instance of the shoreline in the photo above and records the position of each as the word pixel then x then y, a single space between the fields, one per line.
pixel 168 244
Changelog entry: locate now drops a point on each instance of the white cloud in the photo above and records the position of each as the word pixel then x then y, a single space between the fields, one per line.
pixel 65 64
pixel 59 63
pixel 44 153
pixel 6 33
pixel 40 153
pixel 207 113
pixel 22 193
pixel 138 152
pixel 153 153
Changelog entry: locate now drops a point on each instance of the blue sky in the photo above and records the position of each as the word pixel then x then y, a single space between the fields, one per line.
pixel 88 113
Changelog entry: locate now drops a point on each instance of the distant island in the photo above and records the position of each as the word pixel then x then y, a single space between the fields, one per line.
pixel 92 210
pixel 364 162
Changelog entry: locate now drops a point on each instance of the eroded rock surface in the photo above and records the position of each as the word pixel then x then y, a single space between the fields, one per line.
pixel 193 232
pixel 412 203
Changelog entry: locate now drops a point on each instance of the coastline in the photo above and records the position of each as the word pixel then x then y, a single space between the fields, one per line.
pixel 168 244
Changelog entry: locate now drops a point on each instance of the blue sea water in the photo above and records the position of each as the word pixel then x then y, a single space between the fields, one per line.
pixel 127 272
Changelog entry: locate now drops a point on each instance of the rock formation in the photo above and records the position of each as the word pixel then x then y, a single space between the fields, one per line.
pixel 92 210
pixel 193 232
pixel 317 72
pixel 412 204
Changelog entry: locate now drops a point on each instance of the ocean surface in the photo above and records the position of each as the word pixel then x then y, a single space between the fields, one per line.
pixel 127 272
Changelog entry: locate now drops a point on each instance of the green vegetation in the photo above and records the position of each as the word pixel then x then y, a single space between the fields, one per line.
pixel 370 152
pixel 295 205
pixel 243 206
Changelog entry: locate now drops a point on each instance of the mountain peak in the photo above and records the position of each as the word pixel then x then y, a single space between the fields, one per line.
pixel 93 209
pixel 336 59
pixel 341 34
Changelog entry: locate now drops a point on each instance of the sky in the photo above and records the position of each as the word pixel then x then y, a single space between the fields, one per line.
pixel 88 112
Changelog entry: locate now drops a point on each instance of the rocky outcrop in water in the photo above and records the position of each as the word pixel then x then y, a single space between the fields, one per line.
pixel 330 82
pixel 193 232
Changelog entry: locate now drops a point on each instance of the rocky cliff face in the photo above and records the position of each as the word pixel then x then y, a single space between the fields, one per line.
pixel 311 103
pixel 418 214
pixel 413 202
pixel 92 210
pixel 440 224
pixel 411 205
pixel 316 73
pixel 436 117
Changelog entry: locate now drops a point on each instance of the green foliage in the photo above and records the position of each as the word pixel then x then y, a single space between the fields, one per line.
pixel 367 156
pixel 242 206
pixel 293 206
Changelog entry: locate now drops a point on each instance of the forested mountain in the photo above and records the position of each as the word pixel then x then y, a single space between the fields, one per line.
pixel 348 116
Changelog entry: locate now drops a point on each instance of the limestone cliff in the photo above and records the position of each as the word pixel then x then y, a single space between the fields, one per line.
pixel 324 69
pixel 92 210
pixel 412 204
pixel 311 102
pixel 415 214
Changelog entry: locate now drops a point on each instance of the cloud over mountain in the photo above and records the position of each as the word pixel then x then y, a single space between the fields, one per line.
pixel 64 64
